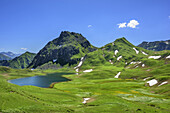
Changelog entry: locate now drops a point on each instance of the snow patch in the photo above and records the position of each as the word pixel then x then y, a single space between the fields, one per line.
pixel 54 60
pixel 117 76
pixel 116 51
pixel 135 62
pixel 110 61
pixel 137 52
pixel 60 45
pixel 154 57
pixel 89 70
pixel 144 53
pixel 77 70
pixel 152 82
pixel 163 83
pixel 148 70
pixel 166 42
pixel 146 78
pixel 85 100
pixel 119 57
pixel 143 65
pixel 80 63
pixel 168 57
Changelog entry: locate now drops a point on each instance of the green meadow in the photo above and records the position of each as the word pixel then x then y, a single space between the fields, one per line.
pixel 107 94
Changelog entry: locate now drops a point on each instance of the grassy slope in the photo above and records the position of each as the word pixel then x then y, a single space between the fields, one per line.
pixel 29 98
pixel 107 93
pixel 118 95
pixel 22 61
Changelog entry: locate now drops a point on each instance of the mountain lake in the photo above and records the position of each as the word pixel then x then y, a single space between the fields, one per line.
pixel 40 81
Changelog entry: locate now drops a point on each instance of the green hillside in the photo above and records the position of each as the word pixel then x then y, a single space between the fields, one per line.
pixel 124 55
pixel 114 78
pixel 19 62
pixel 106 93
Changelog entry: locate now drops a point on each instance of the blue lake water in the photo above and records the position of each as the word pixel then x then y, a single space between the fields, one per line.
pixel 40 81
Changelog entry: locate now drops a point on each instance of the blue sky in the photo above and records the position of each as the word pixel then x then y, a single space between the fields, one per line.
pixel 28 25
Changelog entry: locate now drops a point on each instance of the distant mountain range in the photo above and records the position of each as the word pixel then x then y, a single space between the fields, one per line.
pixel 156 45
pixel 19 62
pixel 9 55
pixel 4 57
pixel 70 48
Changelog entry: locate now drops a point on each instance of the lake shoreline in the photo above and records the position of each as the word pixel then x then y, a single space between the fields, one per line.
pixel 61 78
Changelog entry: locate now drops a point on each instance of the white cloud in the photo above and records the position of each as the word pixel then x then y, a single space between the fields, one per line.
pixel 122 25
pixel 169 17
pixel 24 48
pixel 133 24
pixel 89 26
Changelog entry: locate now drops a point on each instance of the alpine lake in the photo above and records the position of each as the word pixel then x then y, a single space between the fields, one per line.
pixel 40 81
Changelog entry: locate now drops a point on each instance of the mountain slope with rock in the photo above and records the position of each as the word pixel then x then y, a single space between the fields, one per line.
pixel 156 46
pixel 62 49
pixel 117 75
pixel 120 52
pixel 130 58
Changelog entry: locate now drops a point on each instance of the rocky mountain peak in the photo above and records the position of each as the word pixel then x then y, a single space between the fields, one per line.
pixel 63 49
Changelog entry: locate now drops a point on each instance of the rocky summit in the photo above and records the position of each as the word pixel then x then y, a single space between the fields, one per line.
pixel 62 49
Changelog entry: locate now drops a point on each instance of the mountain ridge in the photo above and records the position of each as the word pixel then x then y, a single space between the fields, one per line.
pixel 19 62
pixel 70 47
pixel 62 49
pixel 4 57
pixel 119 52
pixel 10 54
pixel 156 45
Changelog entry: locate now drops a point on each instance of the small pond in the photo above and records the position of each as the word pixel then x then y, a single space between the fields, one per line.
pixel 40 81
